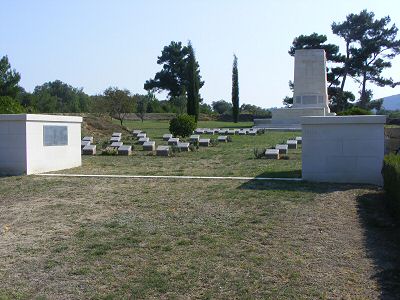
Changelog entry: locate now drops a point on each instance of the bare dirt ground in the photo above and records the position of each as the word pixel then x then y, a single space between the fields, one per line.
pixel 68 238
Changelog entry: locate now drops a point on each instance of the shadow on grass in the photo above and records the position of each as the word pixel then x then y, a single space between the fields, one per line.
pixel 299 186
pixel 287 185
pixel 281 174
pixel 382 242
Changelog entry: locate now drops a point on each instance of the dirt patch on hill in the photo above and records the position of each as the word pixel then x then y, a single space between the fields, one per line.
pixel 101 127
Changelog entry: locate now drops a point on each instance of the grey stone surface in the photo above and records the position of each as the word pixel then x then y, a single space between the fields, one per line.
pixel 199 130
pixel 183 146
pixel 141 135
pixel 272 153
pixel 209 131
pixel 230 132
pixel 125 150
pixel 118 134
pixel 142 140
pixel 310 88
pixel 242 132
pixel 88 138
pixel 283 148
pixel 115 139
pixel 310 97
pixel 55 135
pixel 84 143
pixel 136 132
pixel 163 150
pixel 252 132
pixel 89 150
pixel 173 141
pixel 167 136
pixel 222 138
pixel 194 138
pixel 116 144
pixel 292 144
pixel 299 139
pixel 204 142
pixel 149 146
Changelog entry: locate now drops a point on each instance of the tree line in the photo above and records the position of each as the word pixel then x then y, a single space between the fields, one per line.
pixel 59 97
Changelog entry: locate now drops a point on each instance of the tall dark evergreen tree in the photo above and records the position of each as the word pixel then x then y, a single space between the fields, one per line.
pixel 173 76
pixel 192 84
pixel 235 90
pixel 9 79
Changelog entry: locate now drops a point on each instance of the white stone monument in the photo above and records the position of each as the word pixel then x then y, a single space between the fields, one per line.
pixel 310 97
pixel 32 143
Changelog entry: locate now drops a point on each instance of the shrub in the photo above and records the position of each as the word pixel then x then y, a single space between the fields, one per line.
pixel 259 153
pixel 214 142
pixel 391 181
pixel 261 131
pixel 353 111
pixel 110 151
pixel 182 125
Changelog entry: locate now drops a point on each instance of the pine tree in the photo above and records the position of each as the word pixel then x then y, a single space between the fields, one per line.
pixel 235 90
pixel 193 84
pixel 370 45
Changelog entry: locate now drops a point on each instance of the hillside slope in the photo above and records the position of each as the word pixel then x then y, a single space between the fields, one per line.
pixel 100 127
pixel 391 102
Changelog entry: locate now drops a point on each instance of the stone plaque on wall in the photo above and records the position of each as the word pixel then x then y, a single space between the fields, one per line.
pixel 55 135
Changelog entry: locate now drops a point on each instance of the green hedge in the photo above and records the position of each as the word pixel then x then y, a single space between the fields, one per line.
pixel 354 111
pixel 391 181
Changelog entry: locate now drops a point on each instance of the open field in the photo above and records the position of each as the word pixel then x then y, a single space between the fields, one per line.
pixel 225 159
pixel 104 239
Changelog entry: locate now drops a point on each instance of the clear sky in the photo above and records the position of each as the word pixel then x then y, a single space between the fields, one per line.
pixel 95 44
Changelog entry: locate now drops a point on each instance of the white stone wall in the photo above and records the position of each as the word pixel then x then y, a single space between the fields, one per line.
pixel 346 149
pixel 12 147
pixel 23 150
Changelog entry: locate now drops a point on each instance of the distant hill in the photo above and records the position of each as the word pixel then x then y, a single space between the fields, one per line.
pixel 391 102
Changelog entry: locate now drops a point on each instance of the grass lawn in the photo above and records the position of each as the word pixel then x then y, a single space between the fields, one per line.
pixel 103 238
pixel 225 159
pixel 70 238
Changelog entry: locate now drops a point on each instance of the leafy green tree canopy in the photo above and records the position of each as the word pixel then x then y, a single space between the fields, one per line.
pixel 119 103
pixel 10 106
pixel 57 96
pixel 222 107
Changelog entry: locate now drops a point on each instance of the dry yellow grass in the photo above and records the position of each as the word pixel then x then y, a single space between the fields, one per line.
pixel 73 238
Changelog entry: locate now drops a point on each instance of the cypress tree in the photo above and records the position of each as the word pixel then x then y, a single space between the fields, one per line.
pixel 235 90
pixel 193 84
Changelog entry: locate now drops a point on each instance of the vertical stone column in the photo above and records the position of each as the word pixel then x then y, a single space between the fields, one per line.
pixel 310 82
